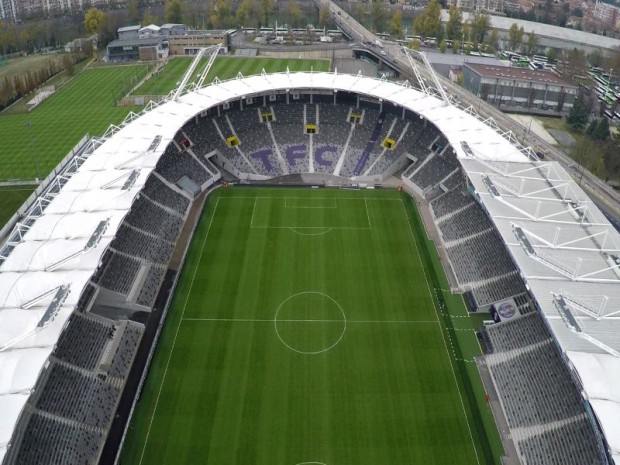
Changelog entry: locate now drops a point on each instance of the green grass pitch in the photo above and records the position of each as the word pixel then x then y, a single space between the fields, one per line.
pixel 11 199
pixel 87 104
pixel 224 68
pixel 304 329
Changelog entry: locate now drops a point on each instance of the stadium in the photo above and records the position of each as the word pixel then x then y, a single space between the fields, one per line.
pixel 227 277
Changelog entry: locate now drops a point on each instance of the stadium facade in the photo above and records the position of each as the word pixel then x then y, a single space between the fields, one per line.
pixel 78 287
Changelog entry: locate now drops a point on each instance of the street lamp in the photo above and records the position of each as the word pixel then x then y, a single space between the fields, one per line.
pixel 34 154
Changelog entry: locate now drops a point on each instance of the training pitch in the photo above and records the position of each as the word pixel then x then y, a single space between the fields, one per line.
pixel 304 331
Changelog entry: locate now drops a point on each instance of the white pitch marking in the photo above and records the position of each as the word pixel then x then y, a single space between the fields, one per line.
pixel 265 320
pixel 445 344
pixel 316 352
pixel 310 234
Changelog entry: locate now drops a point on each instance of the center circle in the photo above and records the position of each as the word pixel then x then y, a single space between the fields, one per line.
pixel 310 322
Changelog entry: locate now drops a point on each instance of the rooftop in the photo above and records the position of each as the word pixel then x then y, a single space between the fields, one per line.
pixel 542 76
pixel 129 28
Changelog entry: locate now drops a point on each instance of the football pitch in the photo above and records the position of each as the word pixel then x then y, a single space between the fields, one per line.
pixel 304 330
pixel 224 67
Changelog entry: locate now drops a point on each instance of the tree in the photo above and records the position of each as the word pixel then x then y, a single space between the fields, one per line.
pixel 456 46
pixel 454 26
pixel 428 24
pixel 595 58
pixel 466 32
pixel 361 12
pixel 93 20
pixel 573 64
pixel 132 11
pixel 414 44
pixel 515 37
pixel 379 17
pixel 248 13
pixel 611 158
pixel 494 39
pixel 174 11
pixel 532 43
pixel 485 90
pixel 561 100
pixel 442 46
pixel 480 25
pixel 221 16
pixel 267 7
pixel 579 112
pixel 396 24
pixel 324 15
pixel 294 13
pixel 601 132
pixel 149 18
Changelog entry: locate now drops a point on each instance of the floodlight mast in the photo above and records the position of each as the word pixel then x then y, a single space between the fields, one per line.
pixel 207 68
pixel 438 86
pixel 189 73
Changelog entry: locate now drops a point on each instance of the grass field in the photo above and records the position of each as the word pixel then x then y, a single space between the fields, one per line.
pixel 10 200
pixel 224 68
pixel 305 329
pixel 84 105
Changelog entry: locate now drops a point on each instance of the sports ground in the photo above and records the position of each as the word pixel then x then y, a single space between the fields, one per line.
pixel 310 327
pixel 34 143
pixel 11 198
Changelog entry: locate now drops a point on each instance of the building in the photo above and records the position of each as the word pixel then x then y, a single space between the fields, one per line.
pixel 170 29
pixel 490 6
pixel 518 89
pixel 607 13
pixel 443 62
pixel 192 41
pixel 149 49
pixel 128 32
pixel 8 12
pixel 149 31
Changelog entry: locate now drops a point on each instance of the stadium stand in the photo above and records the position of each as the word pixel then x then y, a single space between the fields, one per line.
pixel 159 192
pixel 175 164
pixel 281 146
pixel 117 272
pixel 135 242
pixel 150 288
pixel 153 219
pixel 542 405
pixel 75 395
pixel 84 340
pixel 54 441
pixel 126 349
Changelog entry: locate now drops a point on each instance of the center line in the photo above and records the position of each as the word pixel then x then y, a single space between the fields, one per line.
pixel 261 320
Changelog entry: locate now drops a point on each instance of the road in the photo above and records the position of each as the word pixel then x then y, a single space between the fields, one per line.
pixel 604 194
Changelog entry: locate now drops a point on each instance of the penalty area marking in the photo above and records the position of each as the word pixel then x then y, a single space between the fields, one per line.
pixel 310 352
pixel 296 229
pixel 310 234
pixel 311 199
